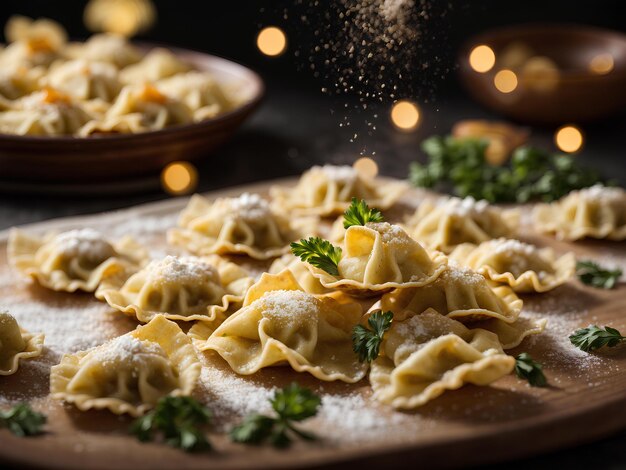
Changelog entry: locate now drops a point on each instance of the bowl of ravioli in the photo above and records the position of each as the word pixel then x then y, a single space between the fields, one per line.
pixel 107 108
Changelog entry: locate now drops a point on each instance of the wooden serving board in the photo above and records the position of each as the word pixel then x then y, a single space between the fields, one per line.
pixel 586 399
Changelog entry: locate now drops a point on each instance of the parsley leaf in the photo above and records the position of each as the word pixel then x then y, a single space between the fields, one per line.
pixel 22 420
pixel 528 369
pixel 319 253
pixel 291 404
pixel 532 173
pixel 366 342
pixel 593 274
pixel 593 337
pixel 178 420
pixel 359 213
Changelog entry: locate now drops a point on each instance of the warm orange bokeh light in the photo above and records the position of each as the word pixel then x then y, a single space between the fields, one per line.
pixel 482 58
pixel 505 81
pixel 602 64
pixel 271 41
pixel 405 115
pixel 179 178
pixel 366 167
pixel 569 139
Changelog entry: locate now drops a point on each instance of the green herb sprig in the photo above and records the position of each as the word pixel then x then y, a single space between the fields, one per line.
pixel 593 337
pixel 532 173
pixel 359 213
pixel 178 420
pixel 319 253
pixel 593 274
pixel 292 404
pixel 527 368
pixel 366 341
pixel 22 420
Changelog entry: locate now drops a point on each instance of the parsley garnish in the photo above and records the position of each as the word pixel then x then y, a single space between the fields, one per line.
pixel 291 404
pixel 319 253
pixel 593 274
pixel 22 421
pixel 532 173
pixel 359 213
pixel 366 342
pixel 593 337
pixel 528 369
pixel 178 420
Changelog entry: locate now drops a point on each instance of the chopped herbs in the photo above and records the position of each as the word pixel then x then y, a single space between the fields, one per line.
pixel 366 342
pixel 532 174
pixel 593 337
pixel 359 213
pixel 319 253
pixel 22 420
pixel 528 369
pixel 292 404
pixel 178 420
pixel 593 274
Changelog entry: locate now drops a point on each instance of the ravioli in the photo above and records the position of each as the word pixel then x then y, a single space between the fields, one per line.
pixel 131 373
pixel 16 344
pixel 445 224
pixel 328 190
pixel 74 260
pixel 458 293
pixel 181 288
pixel 427 354
pixel 595 212
pixel 379 257
pixel 524 267
pixel 280 324
pixel 242 225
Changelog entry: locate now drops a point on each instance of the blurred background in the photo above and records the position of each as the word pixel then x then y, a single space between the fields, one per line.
pixel 310 114
pixel 318 110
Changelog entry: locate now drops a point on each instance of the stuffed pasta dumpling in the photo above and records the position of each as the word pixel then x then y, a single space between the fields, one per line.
pixel 106 47
pixel 181 288
pixel 446 224
pixel 32 43
pixel 379 257
pixel 427 354
pixel 280 324
pixel 199 91
pixel 47 112
pixel 157 64
pixel 524 267
pixel 458 293
pixel 130 373
pixel 86 80
pixel 595 212
pixel 16 344
pixel 140 109
pixel 240 225
pixel 328 190
pixel 74 260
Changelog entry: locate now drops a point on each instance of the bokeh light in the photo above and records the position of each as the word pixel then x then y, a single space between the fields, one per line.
pixel 505 81
pixel 271 41
pixel 366 167
pixel 482 58
pixel 405 115
pixel 124 17
pixel 602 64
pixel 569 138
pixel 179 178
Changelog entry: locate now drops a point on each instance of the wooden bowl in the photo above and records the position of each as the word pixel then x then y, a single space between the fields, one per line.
pixel 112 157
pixel 556 83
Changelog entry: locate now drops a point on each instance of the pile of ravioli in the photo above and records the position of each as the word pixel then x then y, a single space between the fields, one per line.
pixel 52 87
pixel 450 273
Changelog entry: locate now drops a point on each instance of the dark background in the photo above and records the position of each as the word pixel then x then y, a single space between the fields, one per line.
pixel 298 125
